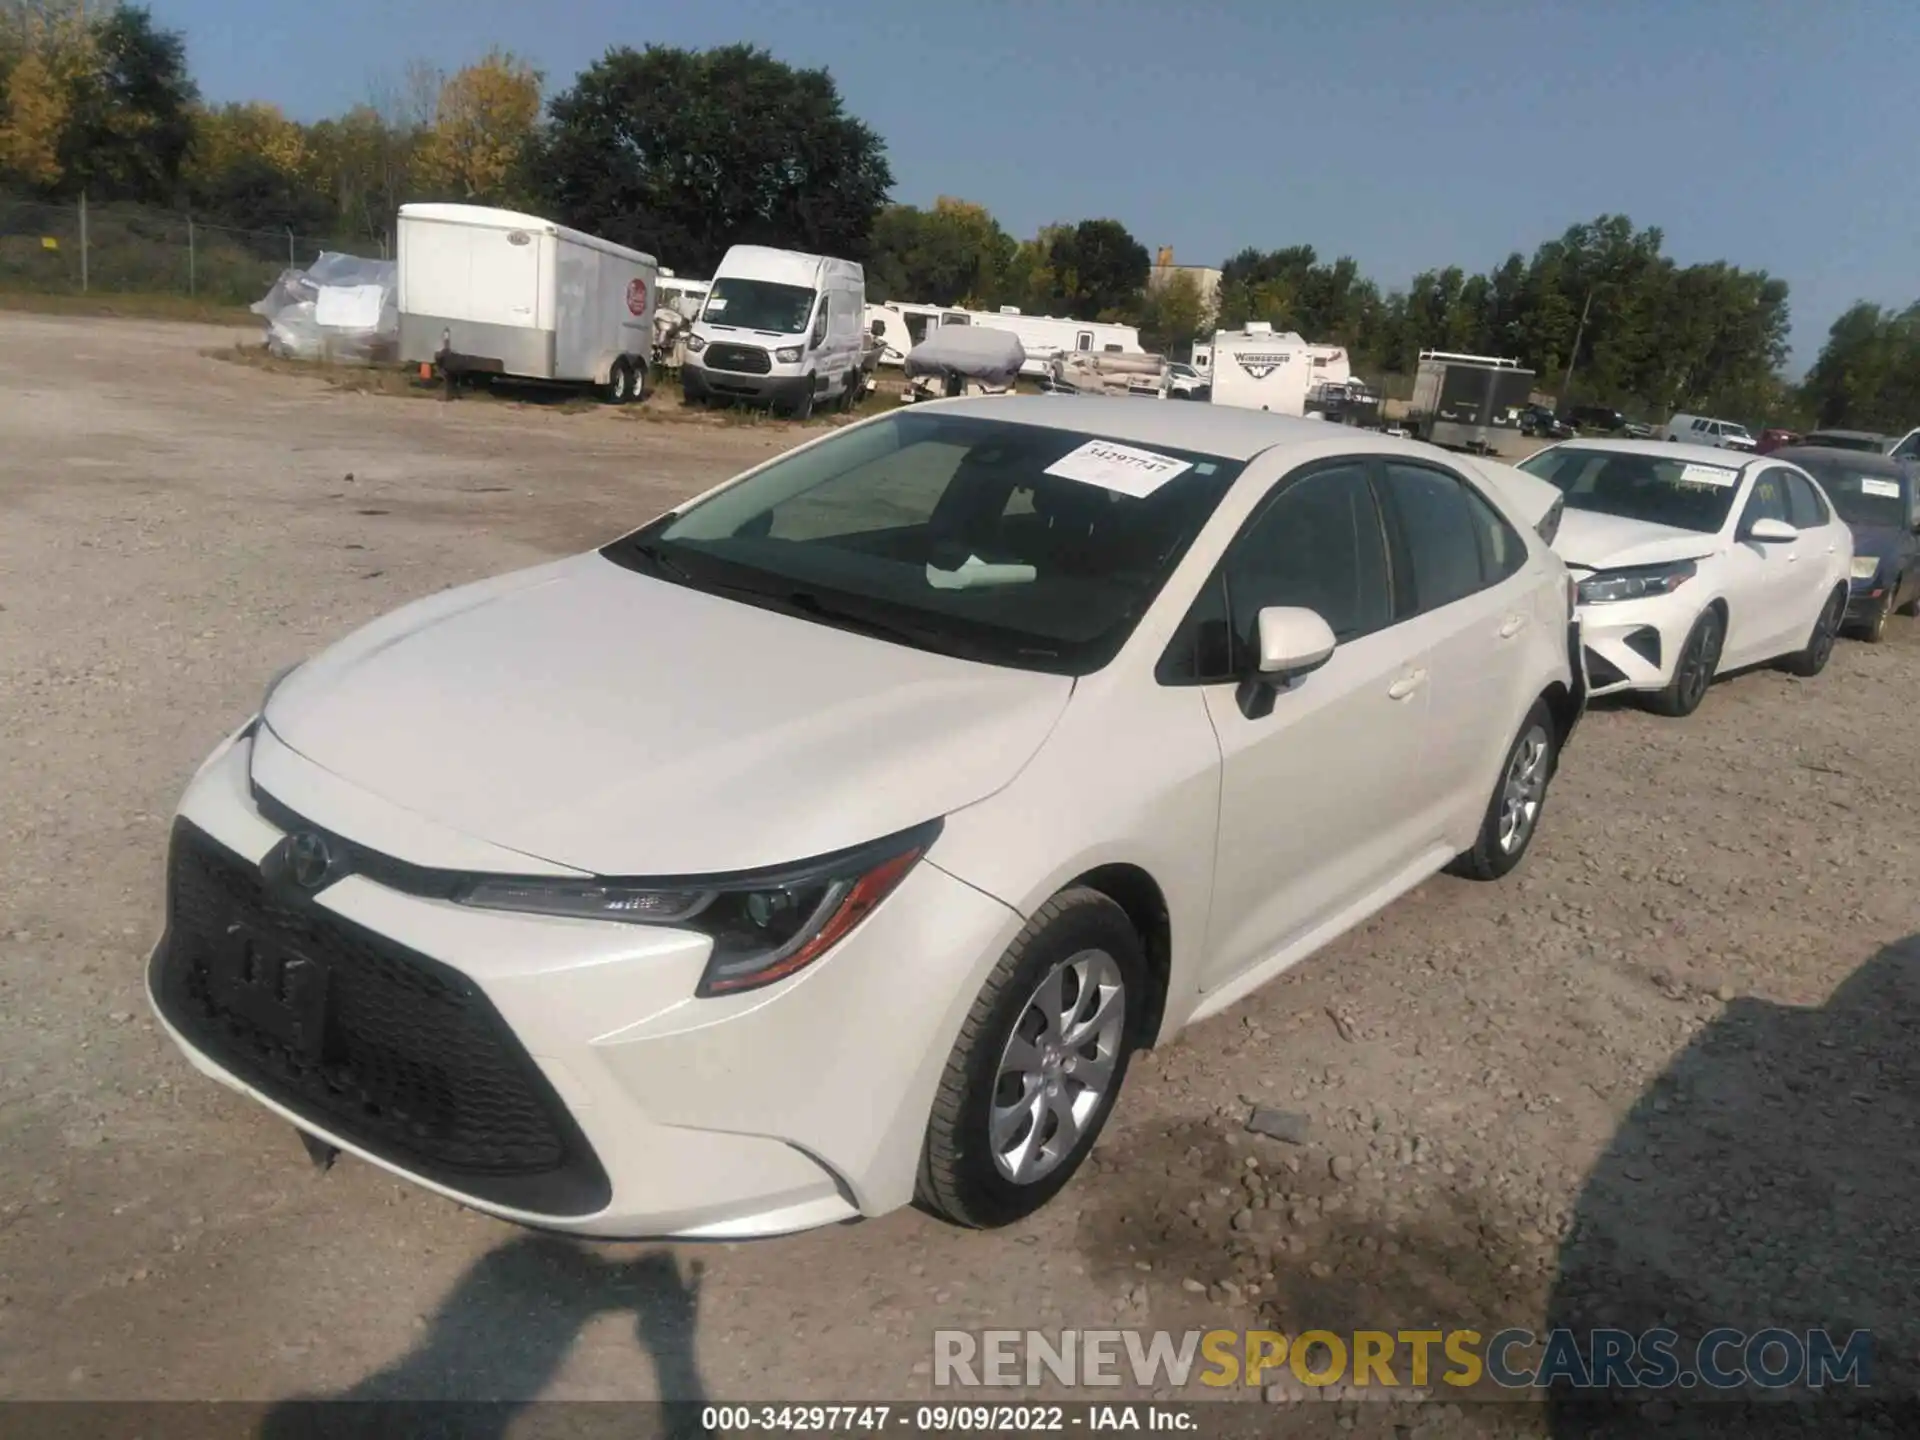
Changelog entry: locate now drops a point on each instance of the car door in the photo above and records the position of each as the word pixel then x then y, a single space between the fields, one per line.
pixel 1764 585
pixel 1817 553
pixel 1311 816
pixel 1466 596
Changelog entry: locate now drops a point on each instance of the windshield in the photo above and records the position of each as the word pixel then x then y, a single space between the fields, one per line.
pixel 1683 494
pixel 759 305
pixel 1018 545
pixel 1862 497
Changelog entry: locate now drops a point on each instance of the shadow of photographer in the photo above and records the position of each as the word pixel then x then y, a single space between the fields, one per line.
pixel 1765 1180
pixel 501 1335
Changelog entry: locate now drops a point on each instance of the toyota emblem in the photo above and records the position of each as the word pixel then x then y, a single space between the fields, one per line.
pixel 308 860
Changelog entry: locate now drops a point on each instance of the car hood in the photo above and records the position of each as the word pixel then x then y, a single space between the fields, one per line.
pixel 1593 541
pixel 600 719
pixel 1876 540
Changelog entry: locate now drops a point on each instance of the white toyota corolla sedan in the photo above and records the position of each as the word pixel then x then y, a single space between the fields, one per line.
pixel 1694 561
pixel 833 840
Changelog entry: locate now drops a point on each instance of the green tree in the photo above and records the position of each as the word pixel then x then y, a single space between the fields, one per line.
pixel 1094 269
pixel 683 153
pixel 130 123
pixel 1172 315
pixel 1867 375
pixel 955 253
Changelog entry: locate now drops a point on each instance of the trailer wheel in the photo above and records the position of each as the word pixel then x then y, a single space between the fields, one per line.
pixel 642 371
pixel 619 387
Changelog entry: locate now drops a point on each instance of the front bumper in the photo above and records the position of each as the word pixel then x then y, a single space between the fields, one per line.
pixel 700 383
pixel 1634 644
pixel 777 1110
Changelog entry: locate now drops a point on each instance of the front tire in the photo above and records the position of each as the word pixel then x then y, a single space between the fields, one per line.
pixel 1875 630
pixel 802 409
pixel 1694 671
pixel 1813 659
pixel 1039 1060
pixel 619 386
pixel 1519 799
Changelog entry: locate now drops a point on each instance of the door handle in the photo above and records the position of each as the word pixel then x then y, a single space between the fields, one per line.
pixel 1512 626
pixel 1406 685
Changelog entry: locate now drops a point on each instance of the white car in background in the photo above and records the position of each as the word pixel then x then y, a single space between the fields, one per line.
pixel 835 839
pixel 1184 382
pixel 1692 562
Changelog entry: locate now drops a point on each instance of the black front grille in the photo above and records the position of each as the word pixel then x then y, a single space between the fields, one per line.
pixel 1645 642
pixel 742 359
pixel 368 1040
pixel 1602 672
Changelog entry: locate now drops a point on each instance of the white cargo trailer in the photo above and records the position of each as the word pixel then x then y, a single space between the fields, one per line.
pixel 1260 369
pixel 495 292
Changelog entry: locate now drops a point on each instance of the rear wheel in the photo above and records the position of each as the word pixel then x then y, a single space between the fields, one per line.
pixel 1875 629
pixel 1513 815
pixel 1813 659
pixel 1693 673
pixel 1039 1060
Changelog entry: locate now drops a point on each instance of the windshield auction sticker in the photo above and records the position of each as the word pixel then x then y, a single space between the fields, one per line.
pixel 1708 475
pixel 1113 466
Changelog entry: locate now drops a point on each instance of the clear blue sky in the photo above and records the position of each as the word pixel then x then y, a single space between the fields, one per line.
pixel 1776 134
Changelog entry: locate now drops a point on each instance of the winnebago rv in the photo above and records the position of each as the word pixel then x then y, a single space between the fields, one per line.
pixel 1260 369
pixel 900 325
pixel 1047 336
pixel 494 292
pixel 1466 401
pixel 782 328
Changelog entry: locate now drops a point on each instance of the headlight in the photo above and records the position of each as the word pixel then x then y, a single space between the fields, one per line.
pixel 695 344
pixel 1865 567
pixel 788 355
pixel 765 925
pixel 1636 582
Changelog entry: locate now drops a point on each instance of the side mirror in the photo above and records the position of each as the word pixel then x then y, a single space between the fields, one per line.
pixel 1772 532
pixel 879 327
pixel 1293 642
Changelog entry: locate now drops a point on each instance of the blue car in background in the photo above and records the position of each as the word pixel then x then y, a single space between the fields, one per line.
pixel 1875 496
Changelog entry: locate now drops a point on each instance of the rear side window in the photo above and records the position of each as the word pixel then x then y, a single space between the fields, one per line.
pixel 1805 509
pixel 1446 540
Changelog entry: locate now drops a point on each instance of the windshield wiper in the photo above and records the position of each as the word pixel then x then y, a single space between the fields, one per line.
pixel 810 604
pixel 657 558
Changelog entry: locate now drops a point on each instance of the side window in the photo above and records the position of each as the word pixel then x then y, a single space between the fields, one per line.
pixel 1318 544
pixel 820 320
pixel 1441 534
pixel 1805 509
pixel 1909 448
pixel 1768 500
pixel 1502 551
pixel 1083 341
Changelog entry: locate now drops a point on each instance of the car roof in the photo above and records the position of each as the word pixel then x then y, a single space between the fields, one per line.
pixel 1229 431
pixel 1667 450
pixel 1850 434
pixel 1864 460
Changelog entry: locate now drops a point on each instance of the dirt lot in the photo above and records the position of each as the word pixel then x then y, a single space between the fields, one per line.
pixel 1667 1072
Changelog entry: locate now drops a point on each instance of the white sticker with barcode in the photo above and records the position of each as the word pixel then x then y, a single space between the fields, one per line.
pixel 1113 466
pixel 1708 475
pixel 1888 488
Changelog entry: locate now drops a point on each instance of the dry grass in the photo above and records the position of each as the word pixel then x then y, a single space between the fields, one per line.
pixel 663 405
pixel 130 307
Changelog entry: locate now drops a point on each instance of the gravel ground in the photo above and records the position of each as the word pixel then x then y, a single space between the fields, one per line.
pixel 1664 1074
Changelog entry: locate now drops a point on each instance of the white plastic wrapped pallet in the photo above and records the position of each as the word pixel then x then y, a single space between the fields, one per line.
pixel 342 308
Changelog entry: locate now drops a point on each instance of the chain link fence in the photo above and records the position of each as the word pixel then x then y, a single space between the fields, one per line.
pixel 130 249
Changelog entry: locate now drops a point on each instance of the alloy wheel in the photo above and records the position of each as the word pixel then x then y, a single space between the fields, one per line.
pixel 1057 1069
pixel 1700 661
pixel 1524 789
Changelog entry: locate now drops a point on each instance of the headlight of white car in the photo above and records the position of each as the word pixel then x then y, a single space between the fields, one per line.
pixel 765 925
pixel 695 344
pixel 1865 566
pixel 1637 582
pixel 788 355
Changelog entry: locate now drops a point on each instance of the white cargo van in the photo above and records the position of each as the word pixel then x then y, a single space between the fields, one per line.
pixel 779 327
pixel 495 292
pixel 1705 430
